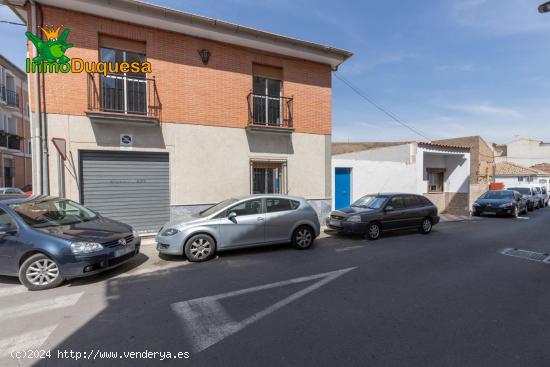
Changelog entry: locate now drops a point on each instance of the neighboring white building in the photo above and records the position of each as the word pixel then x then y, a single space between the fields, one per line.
pixel 525 152
pixel 438 171
pixel 511 174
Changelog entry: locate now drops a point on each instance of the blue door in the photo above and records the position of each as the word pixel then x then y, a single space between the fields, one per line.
pixel 342 188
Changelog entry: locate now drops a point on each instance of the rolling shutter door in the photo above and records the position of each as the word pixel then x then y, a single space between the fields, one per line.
pixel 130 187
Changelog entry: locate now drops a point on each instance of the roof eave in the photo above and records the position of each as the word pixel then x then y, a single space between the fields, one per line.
pixel 156 16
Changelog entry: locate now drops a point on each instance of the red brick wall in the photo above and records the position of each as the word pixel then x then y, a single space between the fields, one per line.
pixel 190 92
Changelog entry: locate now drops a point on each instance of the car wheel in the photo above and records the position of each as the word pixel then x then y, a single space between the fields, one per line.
pixel 426 226
pixel 373 231
pixel 200 247
pixel 303 238
pixel 530 207
pixel 476 213
pixel 39 272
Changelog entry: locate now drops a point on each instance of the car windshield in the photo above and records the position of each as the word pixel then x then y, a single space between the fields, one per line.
pixel 498 195
pixel 370 202
pixel 217 207
pixel 522 190
pixel 52 212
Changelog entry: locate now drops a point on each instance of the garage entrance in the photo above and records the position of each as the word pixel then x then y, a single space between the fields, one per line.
pixel 131 187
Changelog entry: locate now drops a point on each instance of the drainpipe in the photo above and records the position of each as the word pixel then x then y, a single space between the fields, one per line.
pixel 36 123
pixel 44 128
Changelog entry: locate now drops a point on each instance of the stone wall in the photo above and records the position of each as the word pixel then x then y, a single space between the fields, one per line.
pixel 450 202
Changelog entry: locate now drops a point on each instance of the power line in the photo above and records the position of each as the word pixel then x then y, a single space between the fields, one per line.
pixel 12 23
pixel 382 109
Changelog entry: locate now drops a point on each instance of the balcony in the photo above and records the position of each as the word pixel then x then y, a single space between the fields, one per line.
pixel 14 141
pixel 12 98
pixel 270 113
pixel 10 141
pixel 120 99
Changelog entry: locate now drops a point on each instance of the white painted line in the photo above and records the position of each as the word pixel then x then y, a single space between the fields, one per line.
pixel 349 248
pixel 40 306
pixel 151 270
pixel 10 291
pixel 207 323
pixel 30 340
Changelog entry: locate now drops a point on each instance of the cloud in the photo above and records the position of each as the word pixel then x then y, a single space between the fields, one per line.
pixel 488 110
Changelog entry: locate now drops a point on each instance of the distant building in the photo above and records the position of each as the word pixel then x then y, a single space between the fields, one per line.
pixel 511 174
pixel 525 152
pixel 482 163
pixel 15 150
pixel 440 172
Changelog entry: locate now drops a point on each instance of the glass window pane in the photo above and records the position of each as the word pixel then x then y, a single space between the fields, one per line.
pixel 135 57
pixel 250 207
pixel 258 85
pixel 397 202
pixel 136 94
pixel 112 93
pixel 278 205
pixel 274 87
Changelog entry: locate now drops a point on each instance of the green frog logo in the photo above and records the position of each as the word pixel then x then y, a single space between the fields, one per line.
pixel 53 50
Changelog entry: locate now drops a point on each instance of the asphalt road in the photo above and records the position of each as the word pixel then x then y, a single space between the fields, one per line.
pixel 447 299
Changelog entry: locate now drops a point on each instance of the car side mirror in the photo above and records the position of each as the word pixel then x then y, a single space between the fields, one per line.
pixel 389 208
pixel 232 216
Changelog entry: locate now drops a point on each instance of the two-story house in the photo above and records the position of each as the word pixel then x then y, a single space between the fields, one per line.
pixel 225 111
pixel 15 147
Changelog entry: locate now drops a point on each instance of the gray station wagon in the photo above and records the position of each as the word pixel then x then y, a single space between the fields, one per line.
pixel 241 222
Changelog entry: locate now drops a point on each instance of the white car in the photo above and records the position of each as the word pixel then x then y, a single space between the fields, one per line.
pixel 11 190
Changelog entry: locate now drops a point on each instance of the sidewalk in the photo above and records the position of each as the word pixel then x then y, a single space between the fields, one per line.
pixel 455 218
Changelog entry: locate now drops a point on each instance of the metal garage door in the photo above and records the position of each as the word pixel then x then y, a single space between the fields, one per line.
pixel 131 187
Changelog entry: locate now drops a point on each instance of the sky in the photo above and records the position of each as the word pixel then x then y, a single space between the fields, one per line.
pixel 448 68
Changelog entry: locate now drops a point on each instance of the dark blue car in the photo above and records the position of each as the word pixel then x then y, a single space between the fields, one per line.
pixel 45 240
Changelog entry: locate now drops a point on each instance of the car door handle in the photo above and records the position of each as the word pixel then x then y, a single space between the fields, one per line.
pixel 259 219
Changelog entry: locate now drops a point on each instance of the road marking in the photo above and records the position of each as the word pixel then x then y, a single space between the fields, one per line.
pixel 40 306
pixel 349 248
pixel 207 323
pixel 10 291
pixel 31 340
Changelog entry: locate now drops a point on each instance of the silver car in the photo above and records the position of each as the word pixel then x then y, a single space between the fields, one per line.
pixel 241 222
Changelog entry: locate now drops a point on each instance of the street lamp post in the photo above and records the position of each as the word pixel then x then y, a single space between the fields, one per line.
pixel 544 8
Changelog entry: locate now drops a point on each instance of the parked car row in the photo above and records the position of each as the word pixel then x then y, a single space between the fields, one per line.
pixel 45 240
pixel 513 201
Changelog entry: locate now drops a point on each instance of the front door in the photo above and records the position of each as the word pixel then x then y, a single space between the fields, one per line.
pixel 342 188
pixel 247 228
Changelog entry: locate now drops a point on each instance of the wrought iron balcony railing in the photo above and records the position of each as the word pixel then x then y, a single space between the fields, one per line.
pixel 270 111
pixel 124 95
pixel 12 98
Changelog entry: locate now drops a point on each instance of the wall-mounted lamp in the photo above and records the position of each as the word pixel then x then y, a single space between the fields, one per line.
pixel 205 55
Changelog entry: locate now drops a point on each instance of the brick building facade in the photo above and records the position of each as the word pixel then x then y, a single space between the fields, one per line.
pixel 226 111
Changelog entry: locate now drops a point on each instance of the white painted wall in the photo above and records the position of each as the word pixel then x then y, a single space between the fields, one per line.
pixel 457 169
pixel 402 169
pixel 208 164
pixel 389 169
pixel 527 152
pixel 511 181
